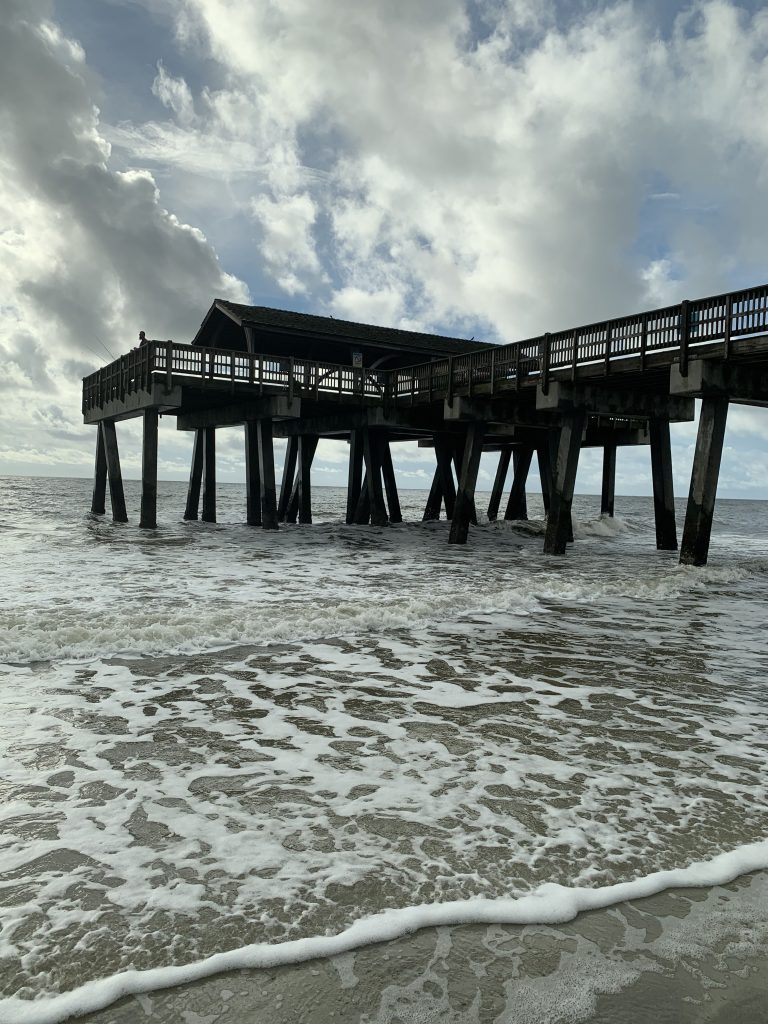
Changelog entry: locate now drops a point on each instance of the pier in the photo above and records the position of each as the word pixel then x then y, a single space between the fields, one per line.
pixel 300 377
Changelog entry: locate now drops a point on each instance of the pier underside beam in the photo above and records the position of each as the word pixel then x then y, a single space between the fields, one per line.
pixel 704 476
pixel 517 505
pixel 388 474
pixel 608 489
pixel 195 477
pixel 252 474
pixel 499 480
pixel 98 499
pixel 267 474
pixel 148 516
pixel 209 475
pixel 465 496
pixel 116 492
pixel 289 473
pixel 663 491
pixel 564 467
pixel 355 475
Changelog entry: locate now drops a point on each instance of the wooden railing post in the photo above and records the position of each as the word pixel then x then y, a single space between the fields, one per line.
pixel 727 331
pixel 449 387
pixel 168 366
pixel 544 355
pixel 685 336
pixel 608 339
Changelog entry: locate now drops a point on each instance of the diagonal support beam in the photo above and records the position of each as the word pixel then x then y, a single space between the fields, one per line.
pixel 663 490
pixel 98 499
pixel 704 476
pixel 505 456
pixel 116 492
pixel 564 468
pixel 465 496
pixel 517 505
pixel 195 477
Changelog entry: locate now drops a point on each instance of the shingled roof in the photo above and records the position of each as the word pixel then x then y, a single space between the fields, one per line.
pixel 306 323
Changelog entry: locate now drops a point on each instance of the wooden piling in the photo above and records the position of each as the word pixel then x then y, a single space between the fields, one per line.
pixel 209 475
pixel 704 476
pixel 98 499
pixel 444 453
pixel 195 477
pixel 289 472
pixel 373 474
pixel 435 499
pixel 608 489
pixel 116 492
pixel 148 516
pixel 355 475
pixel 663 490
pixel 363 508
pixel 563 481
pixel 465 495
pixel 499 480
pixel 307 446
pixel 545 473
pixel 252 474
pixel 390 483
pixel 267 474
pixel 517 505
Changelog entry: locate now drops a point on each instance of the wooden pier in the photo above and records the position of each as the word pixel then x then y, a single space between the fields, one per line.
pixel 300 377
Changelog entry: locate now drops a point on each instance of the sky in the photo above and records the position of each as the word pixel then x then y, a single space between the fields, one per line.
pixel 480 168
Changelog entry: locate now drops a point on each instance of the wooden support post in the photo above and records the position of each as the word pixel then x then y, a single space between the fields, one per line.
pixel 554 441
pixel 289 472
pixel 98 499
pixel 499 480
pixel 564 469
pixel 267 474
pixel 435 499
pixel 252 474
pixel 608 490
pixel 195 477
pixel 458 455
pixel 545 473
pixel 363 507
pixel 373 475
pixel 355 476
pixel 307 447
pixel 517 506
pixel 444 453
pixel 209 475
pixel 116 492
pixel 148 517
pixel 390 484
pixel 663 493
pixel 704 476
pixel 470 464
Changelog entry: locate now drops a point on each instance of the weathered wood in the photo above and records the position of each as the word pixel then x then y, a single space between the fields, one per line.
pixel 470 464
pixel 292 511
pixel 355 475
pixel 564 469
pixel 307 447
pixel 116 492
pixel 363 507
pixel 209 475
pixel 544 459
pixel 390 483
pixel 195 477
pixel 434 499
pixel 98 498
pixel 608 488
pixel 444 455
pixel 267 474
pixel 373 473
pixel 663 490
pixel 288 479
pixel 148 516
pixel 704 476
pixel 517 505
pixel 458 455
pixel 252 474
pixel 499 480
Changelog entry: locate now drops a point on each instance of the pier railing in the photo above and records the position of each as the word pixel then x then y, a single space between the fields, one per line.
pixel 675 330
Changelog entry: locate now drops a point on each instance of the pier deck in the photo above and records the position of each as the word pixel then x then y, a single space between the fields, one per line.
pixel 611 384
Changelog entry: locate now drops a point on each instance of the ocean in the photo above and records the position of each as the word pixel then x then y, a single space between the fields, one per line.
pixel 355 774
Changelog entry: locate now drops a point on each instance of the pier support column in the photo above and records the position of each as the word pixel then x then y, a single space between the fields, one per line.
pixel 98 499
pixel 289 472
pixel 373 474
pixel 434 500
pixel 459 448
pixel 517 506
pixel 195 477
pixel 498 484
pixel 390 484
pixel 608 490
pixel 663 492
pixel 363 508
pixel 465 496
pixel 704 476
pixel 116 492
pixel 267 474
pixel 148 517
pixel 564 469
pixel 545 474
pixel 252 474
pixel 355 476
pixel 307 447
pixel 209 475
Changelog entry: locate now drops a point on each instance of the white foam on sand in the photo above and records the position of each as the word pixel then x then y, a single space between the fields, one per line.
pixel 550 904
